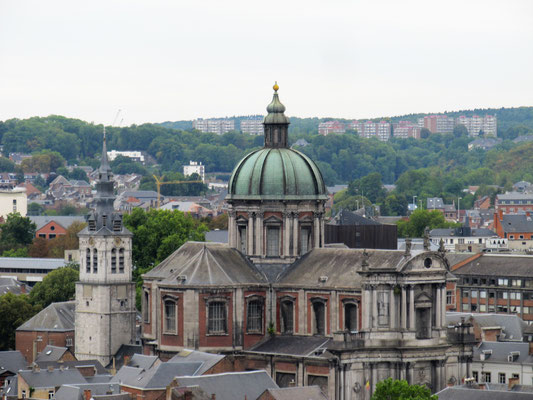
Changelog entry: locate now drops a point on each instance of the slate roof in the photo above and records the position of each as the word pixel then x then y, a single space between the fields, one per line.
pixel 511 325
pixel 231 385
pixel 140 194
pixel 291 345
pixel 462 393
pixel 474 232
pixel 347 217
pixel 125 350
pixel 12 285
pixel 12 361
pixel 208 360
pixel 58 317
pixel 207 264
pixel 98 391
pixel 158 377
pixel 514 196
pixel 500 351
pixel 51 353
pixel 297 393
pixel 218 236
pixel 434 202
pixel 99 368
pixel 498 265
pixel 142 361
pixel 63 220
pixel 21 264
pixel 48 379
pixel 339 265
pixel 517 223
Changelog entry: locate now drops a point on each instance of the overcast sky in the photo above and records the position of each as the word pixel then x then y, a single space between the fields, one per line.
pixel 162 60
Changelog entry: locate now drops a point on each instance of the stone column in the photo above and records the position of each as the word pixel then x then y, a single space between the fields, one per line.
pixel 286 234
pixel 443 316
pixel 374 307
pixel 438 318
pixel 259 234
pixel 231 229
pixel 366 310
pixel 250 232
pixel 322 232
pixel 411 308
pixel 392 309
pixel 295 235
pixel 316 235
pixel 404 308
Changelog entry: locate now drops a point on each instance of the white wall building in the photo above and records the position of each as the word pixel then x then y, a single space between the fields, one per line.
pixel 218 126
pixel 252 126
pixel 134 155
pixel 13 200
pixel 194 167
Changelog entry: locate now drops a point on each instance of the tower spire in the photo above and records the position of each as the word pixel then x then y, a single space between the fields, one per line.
pixel 104 174
pixel 276 124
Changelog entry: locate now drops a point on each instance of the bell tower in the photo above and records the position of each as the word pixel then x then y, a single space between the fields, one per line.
pixel 105 293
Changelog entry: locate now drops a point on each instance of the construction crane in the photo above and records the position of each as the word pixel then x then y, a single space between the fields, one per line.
pixel 159 182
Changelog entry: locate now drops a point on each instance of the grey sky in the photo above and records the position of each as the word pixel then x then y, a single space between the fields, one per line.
pixel 181 59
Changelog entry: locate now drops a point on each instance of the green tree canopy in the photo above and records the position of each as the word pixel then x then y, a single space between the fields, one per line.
pixel 14 311
pixel 419 220
pixel 58 285
pixel 393 389
pixel 16 232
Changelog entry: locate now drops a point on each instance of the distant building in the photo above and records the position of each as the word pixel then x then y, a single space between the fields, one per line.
pixel 51 227
pixel 29 270
pixel 325 128
pixel 484 143
pixel 514 202
pixel 194 167
pixel 134 155
pixel 464 238
pixel 13 200
pixel 252 126
pixel 477 124
pixel 437 123
pixel 405 130
pixel 218 126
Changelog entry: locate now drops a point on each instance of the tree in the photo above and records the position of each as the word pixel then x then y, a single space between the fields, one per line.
pixel 460 130
pixel 58 285
pixel 68 241
pixel 20 252
pixel 35 209
pixel 425 133
pixel 16 232
pixel 79 175
pixel 419 220
pixel 394 389
pixel 6 165
pixel 369 186
pixel 14 311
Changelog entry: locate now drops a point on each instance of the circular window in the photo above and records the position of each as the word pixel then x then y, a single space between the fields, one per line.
pixel 427 262
pixel 52 228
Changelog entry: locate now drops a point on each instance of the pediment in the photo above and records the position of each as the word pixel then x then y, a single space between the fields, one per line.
pixel 272 219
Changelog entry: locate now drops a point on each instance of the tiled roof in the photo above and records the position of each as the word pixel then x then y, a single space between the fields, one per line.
pixel 12 361
pixel 56 317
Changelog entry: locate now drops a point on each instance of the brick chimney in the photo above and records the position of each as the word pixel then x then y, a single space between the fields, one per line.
pixel 87 394
pixel 126 360
pixel 213 397
pixel 513 382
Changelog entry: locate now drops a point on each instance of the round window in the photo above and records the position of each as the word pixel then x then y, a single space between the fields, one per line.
pixel 427 262
pixel 52 228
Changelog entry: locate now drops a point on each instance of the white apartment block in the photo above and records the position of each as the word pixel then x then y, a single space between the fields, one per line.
pixel 218 126
pixel 476 123
pixel 369 129
pixel 194 167
pixel 406 129
pixel 325 128
pixel 252 126
pixel 13 200
pixel 134 155
pixel 383 131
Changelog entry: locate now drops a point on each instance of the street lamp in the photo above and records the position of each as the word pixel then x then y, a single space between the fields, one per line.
pixel 414 202
pixel 458 208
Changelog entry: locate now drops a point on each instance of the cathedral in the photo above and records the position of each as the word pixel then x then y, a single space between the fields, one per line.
pixel 275 297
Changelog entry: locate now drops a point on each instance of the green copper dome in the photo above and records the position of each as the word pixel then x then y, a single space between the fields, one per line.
pixel 276 174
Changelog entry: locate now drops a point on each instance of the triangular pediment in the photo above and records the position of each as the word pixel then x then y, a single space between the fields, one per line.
pixel 272 219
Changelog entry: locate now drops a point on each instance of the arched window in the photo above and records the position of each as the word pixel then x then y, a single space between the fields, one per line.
pixel 88 261
pixel 287 316
pixel 95 261
pixel 217 317
pixel 121 261
pixel 319 316
pixel 146 306
pixel 170 317
pixel 113 261
pixel 350 317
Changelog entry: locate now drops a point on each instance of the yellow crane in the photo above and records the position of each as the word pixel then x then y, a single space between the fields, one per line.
pixel 159 182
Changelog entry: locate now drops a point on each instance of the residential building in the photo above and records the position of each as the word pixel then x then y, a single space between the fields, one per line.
pixel 278 299
pixel 105 292
pixel 492 327
pixel 10 363
pixel 325 128
pixel 38 383
pixel 516 228
pixel 218 126
pixel 405 130
pixel 13 200
pixel 49 227
pixel 194 167
pixel 12 285
pixel 495 283
pixel 477 124
pixel 514 202
pixel 465 238
pixel 437 123
pixel 484 143
pixel 53 326
pixel 17 158
pixel 252 126
pixel 188 207
pixel 294 393
pixel 134 155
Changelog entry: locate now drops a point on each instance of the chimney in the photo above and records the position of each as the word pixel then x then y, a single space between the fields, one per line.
pixel 87 394
pixel 126 360
pixel 513 382
pixel 50 368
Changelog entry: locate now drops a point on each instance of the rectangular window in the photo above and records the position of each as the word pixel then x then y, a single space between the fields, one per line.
pixel 516 376
pixel 450 297
pixel 69 342
pixel 95 261
pixel 305 236
pixel 383 308
pixel 14 205
pixel 482 308
pixel 51 236
pixel 319 311
pixel 121 261
pixel 273 242
pixel 486 377
pixel 516 282
pixel 474 294
pixel 88 261
pixel 243 239
pixel 482 294
pixel 475 375
pixel 216 320
pixel 287 311
pixel 51 394
pixel 254 321
pixel 170 316
pixel 113 261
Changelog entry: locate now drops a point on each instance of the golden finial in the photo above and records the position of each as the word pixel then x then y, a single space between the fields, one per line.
pixel 275 87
